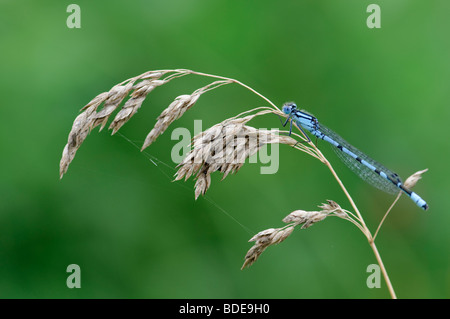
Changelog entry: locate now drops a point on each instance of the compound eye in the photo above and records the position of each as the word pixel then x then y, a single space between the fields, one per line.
pixel 287 108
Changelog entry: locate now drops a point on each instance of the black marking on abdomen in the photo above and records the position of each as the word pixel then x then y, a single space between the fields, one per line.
pixel 407 191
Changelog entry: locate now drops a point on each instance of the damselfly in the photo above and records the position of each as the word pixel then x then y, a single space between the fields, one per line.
pixel 368 169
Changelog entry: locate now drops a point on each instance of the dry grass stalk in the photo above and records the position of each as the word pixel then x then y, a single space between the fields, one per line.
pixel 410 182
pixel 224 148
pixel 273 236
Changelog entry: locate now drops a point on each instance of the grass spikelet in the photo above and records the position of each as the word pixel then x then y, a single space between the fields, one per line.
pixel 299 217
pixel 224 148
pixel 414 178
pixel 91 117
pixel 175 110
pixel 134 103
pixel 273 236
pixel 80 130
pixel 264 239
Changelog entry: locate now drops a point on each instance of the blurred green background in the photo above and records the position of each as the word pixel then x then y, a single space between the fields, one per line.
pixel 136 234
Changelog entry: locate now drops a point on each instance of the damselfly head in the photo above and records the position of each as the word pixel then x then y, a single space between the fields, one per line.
pixel 288 107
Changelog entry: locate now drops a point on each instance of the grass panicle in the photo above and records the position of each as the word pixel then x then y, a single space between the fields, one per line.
pixel 306 219
pixel 222 148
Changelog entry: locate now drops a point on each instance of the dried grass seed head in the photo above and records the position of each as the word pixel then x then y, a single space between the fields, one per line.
pixel 224 147
pixel 90 117
pixel 414 178
pixel 307 218
pixel 173 112
pixel 264 239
